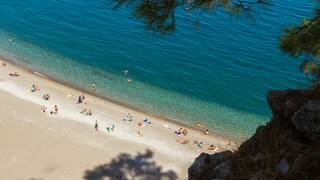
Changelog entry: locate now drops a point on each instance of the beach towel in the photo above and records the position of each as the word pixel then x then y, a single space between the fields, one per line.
pixel 69 95
pixel 165 125
pixel 182 141
pixel 145 120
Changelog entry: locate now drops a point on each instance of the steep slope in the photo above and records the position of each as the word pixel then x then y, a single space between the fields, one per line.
pixel 288 147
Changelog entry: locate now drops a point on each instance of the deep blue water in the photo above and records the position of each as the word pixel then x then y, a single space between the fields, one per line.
pixel 217 73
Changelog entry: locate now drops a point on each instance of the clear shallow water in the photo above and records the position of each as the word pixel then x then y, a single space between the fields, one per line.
pixel 218 74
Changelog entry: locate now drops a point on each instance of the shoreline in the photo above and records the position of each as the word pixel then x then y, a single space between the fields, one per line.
pixel 105 98
pixel 22 117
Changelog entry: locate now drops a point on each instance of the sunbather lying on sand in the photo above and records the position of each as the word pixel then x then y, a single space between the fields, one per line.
pixel 182 141
pixel 86 112
pixel 44 108
pixel 139 133
pixel 34 88
pixel 179 132
pixel 15 74
pixel 199 144
pixel 55 110
pixel 129 117
pixel 213 148
pixel 185 132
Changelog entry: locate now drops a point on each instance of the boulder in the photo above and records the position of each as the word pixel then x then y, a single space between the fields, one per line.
pixel 220 157
pixel 194 171
pixel 307 119
pixel 283 167
pixel 284 103
pixel 223 170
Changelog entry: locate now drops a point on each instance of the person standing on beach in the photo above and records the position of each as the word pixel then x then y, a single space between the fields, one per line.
pixel 93 86
pixel 96 126
pixel 83 97
pixel 79 100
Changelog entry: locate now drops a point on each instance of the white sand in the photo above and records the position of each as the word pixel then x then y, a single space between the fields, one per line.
pixel 39 145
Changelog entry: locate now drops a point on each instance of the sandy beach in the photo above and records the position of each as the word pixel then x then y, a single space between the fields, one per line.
pixel 40 145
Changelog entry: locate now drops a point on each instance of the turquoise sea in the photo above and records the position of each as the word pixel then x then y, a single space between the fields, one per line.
pixel 217 73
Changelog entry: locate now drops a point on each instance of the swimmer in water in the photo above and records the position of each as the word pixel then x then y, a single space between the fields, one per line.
pixel 129 80
pixel 93 86
pixel 10 39
pixel 126 71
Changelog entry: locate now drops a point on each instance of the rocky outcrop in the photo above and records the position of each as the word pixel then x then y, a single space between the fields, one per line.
pixel 211 166
pixel 223 170
pixel 195 169
pixel 286 148
pixel 307 119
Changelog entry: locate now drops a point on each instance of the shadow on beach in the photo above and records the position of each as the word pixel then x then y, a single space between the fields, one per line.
pixel 138 167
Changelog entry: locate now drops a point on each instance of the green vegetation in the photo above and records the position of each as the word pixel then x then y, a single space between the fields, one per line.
pixel 303 40
pixel 159 15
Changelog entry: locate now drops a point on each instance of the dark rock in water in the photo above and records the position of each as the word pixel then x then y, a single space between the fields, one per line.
pixel 307 119
pixel 223 170
pixel 195 169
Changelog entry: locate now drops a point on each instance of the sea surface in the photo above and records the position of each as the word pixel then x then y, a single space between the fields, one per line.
pixel 217 72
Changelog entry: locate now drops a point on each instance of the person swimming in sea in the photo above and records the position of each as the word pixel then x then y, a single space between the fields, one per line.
pixel 93 86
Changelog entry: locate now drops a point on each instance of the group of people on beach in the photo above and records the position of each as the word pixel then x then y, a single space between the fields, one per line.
pixel 46 97
pixel 128 117
pixel 181 131
pixel 201 125
pixel 45 109
pixel 34 88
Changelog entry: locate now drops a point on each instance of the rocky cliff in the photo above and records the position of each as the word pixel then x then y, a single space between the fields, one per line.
pixel 288 147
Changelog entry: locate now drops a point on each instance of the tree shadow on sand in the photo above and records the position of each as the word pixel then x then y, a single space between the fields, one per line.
pixel 138 167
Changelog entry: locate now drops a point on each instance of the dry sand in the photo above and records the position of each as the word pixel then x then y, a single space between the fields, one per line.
pixel 39 145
